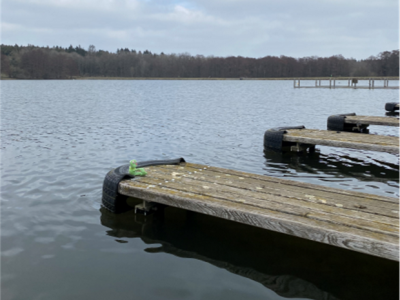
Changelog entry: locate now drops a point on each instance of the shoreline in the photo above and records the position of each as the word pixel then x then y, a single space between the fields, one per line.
pixel 210 78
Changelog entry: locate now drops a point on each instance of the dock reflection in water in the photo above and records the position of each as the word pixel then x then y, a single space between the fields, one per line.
pixel 335 168
pixel 289 266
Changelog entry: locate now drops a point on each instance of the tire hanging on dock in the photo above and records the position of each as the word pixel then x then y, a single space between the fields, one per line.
pixel 336 122
pixel 114 201
pixel 391 106
pixel 273 138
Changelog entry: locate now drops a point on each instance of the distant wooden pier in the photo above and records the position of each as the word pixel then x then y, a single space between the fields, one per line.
pixel 351 83
pixel 356 221
pixel 371 142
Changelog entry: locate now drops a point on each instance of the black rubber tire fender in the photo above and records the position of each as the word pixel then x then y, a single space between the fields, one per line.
pixel 114 201
pixel 391 106
pixel 273 138
pixel 336 122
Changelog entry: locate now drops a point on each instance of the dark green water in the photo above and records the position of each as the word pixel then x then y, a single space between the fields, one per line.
pixel 60 138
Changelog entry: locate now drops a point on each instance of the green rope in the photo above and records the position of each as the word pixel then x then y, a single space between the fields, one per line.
pixel 136 172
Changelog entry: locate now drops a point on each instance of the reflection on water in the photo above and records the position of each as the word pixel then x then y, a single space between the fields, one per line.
pixel 392 114
pixel 289 266
pixel 342 169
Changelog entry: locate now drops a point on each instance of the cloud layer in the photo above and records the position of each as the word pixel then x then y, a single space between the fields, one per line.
pixel 251 28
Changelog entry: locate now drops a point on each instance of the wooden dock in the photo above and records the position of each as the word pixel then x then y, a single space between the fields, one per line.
pixel 354 123
pixel 302 139
pixel 357 221
pixel 351 83
pixel 372 120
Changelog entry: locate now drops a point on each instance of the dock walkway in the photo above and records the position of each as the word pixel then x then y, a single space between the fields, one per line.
pixel 372 120
pixel 354 123
pixel 357 221
pixel 389 144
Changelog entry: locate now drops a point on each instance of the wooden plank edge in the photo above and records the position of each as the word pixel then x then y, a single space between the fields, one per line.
pixel 345 240
pixel 202 198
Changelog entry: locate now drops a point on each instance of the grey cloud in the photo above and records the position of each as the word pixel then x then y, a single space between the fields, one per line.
pixel 252 28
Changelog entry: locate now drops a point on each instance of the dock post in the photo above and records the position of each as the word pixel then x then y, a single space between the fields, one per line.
pixel 315 83
pixel 387 82
pixel 320 82
pixel 330 83
pixel 348 82
pixel 334 83
pixel 299 82
pixel 373 83
pixel 294 83
pixel 369 83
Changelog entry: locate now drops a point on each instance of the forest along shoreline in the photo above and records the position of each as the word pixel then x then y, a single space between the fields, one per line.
pixel 180 78
pixel 32 62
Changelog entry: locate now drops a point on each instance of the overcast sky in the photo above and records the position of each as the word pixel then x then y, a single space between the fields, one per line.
pixel 250 28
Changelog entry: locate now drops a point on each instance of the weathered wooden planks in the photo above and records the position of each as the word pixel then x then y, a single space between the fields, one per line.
pixel 372 120
pixel 371 142
pixel 356 221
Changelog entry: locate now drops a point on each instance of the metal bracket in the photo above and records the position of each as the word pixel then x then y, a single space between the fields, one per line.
pixel 300 147
pixel 362 128
pixel 146 207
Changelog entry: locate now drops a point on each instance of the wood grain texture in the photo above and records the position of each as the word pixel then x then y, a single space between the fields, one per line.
pixel 352 220
pixel 381 209
pixel 372 120
pixel 389 144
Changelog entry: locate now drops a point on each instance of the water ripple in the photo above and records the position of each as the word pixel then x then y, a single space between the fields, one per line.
pixel 60 138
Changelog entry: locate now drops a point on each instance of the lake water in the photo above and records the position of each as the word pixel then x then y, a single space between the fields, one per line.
pixel 60 138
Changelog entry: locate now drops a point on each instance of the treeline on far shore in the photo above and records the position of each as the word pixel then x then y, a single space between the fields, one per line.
pixel 32 62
